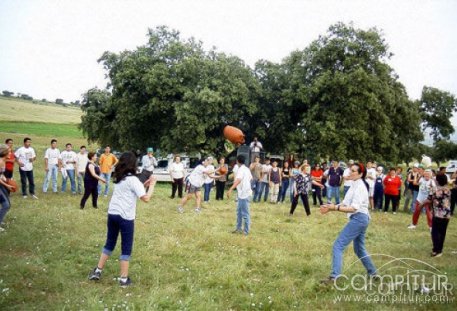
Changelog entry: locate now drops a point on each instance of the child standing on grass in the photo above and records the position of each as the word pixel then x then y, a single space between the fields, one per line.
pixel 121 215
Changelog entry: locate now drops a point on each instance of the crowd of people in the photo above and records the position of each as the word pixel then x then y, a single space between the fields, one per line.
pixel 363 187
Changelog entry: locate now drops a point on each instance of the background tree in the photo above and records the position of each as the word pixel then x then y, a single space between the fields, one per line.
pixel 436 108
pixel 170 94
pixel 347 99
pixel 8 93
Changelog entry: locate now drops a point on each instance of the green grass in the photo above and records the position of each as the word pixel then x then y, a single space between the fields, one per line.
pixel 14 109
pixel 40 129
pixel 193 262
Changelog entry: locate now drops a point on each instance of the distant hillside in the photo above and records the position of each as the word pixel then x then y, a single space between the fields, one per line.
pixel 14 109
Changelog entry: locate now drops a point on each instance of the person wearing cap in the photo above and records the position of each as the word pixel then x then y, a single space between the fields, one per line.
pixel 148 163
pixel 347 177
pixel 107 162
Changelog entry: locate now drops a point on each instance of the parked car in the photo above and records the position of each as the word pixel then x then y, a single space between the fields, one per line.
pixel 161 170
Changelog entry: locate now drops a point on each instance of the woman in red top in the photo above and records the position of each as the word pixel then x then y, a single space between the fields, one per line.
pixel 392 184
pixel 316 175
pixel 10 158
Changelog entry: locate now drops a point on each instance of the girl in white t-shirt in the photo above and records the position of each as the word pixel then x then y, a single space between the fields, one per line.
pixel 121 214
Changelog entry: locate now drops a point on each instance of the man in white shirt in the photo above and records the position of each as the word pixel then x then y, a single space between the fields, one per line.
pixel 242 184
pixel 68 160
pixel 256 147
pixel 51 166
pixel 81 163
pixel 25 156
pixel 177 172
pixel 347 177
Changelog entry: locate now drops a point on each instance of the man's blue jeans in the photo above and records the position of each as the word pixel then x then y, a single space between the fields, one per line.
pixel 264 186
pixel 107 177
pixel 333 192
pixel 71 175
pixel 413 203
pixel 354 232
pixel 207 188
pixel 256 185
pixel 242 213
pixel 51 174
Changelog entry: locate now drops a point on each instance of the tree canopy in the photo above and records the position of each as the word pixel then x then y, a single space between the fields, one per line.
pixel 338 97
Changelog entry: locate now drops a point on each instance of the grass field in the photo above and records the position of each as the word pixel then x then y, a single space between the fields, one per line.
pixel 193 262
pixel 13 109
pixel 40 129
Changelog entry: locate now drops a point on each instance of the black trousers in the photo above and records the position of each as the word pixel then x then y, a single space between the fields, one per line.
pixel 220 186
pixel 304 199
pixel 177 185
pixel 27 176
pixel 317 194
pixel 439 227
pixel 88 190
pixel 453 199
pixel 394 199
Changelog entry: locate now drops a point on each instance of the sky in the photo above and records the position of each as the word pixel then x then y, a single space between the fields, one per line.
pixel 49 49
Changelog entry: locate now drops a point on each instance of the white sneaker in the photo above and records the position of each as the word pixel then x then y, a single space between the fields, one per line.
pixel 24 196
pixel 180 209
pixel 198 210
pixel 395 213
pixel 35 197
pixel 2 229
pixel 411 226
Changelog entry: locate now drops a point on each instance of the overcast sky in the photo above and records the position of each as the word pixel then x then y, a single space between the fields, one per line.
pixel 49 49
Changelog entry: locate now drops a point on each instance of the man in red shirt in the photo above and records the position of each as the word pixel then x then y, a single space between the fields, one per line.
pixel 392 184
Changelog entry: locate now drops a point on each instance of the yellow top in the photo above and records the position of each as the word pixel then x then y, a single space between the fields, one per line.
pixel 107 161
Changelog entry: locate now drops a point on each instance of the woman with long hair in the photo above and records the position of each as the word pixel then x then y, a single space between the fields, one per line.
pixel 91 178
pixel 121 215
pixel 356 205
